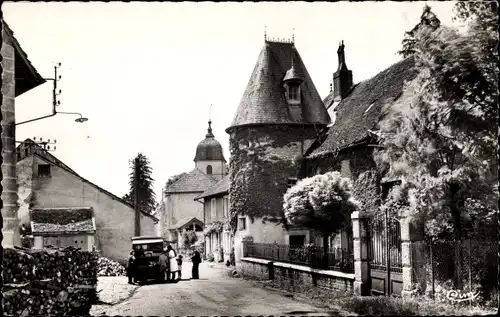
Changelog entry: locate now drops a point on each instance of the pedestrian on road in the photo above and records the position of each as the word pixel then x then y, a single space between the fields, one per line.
pixel 179 264
pixel 163 264
pixel 131 267
pixel 172 256
pixel 196 259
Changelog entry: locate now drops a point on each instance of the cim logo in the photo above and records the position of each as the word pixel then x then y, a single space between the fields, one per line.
pixel 458 296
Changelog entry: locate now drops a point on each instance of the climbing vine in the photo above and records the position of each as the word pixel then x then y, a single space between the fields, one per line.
pixel 262 160
pixel 366 190
pixel 214 227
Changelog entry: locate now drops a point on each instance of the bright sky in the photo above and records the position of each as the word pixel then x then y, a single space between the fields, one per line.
pixel 145 73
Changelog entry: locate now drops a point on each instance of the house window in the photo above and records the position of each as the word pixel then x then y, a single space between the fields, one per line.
pixel 209 169
pixel 297 240
pixel 213 211
pixel 44 170
pixel 242 223
pixel 291 182
pixel 345 169
pixel 226 207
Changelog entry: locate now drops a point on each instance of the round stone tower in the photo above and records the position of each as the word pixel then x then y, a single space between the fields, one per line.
pixel 279 117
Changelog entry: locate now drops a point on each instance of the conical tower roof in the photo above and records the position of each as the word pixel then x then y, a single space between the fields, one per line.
pixel 264 99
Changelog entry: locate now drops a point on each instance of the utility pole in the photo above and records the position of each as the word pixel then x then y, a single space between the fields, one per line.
pixel 137 211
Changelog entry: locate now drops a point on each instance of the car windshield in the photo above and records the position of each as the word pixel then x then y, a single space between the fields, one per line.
pixel 156 247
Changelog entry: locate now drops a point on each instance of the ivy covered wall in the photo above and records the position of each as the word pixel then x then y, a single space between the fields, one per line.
pixel 262 160
pixel 363 171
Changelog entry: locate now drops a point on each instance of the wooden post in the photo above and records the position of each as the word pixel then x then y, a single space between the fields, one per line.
pixel 136 200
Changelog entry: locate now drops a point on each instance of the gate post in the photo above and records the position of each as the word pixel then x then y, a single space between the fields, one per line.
pixel 412 253
pixel 361 260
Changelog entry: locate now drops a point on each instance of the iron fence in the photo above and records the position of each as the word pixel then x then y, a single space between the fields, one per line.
pixel 338 259
pixel 467 265
pixel 385 239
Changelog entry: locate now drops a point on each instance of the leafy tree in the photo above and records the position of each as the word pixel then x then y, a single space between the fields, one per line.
pixel 173 179
pixel 147 196
pixel 427 20
pixel 322 202
pixel 189 238
pixel 440 136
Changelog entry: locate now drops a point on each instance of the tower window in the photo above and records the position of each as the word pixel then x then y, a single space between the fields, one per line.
pixel 293 92
pixel 209 169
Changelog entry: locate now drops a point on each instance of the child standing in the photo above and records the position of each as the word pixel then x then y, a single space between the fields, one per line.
pixel 179 264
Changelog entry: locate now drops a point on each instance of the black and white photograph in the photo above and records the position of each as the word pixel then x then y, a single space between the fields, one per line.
pixel 250 158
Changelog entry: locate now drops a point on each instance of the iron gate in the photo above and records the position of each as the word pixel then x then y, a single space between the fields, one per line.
pixel 385 252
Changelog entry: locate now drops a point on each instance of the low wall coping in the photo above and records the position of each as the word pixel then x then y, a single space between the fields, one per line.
pixel 255 260
pixel 302 268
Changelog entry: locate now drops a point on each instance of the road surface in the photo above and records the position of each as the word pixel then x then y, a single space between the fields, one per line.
pixel 215 293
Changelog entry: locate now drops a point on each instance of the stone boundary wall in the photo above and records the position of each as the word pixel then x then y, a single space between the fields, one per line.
pixel 295 278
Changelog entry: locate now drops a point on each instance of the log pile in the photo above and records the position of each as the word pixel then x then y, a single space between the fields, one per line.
pixel 49 282
pixel 107 267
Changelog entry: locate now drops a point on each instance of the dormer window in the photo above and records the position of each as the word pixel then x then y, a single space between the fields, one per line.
pixel 292 83
pixel 293 93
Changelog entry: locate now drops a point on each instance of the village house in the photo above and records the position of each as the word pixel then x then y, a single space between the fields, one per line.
pixel 218 236
pixel 18 76
pixel 348 148
pixel 64 209
pixel 178 210
pixel 283 132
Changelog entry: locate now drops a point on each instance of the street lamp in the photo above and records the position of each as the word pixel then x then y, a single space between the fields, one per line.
pixel 55 102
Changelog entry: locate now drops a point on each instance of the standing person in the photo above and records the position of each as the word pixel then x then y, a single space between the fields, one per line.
pixel 163 264
pixel 179 264
pixel 196 259
pixel 131 267
pixel 172 261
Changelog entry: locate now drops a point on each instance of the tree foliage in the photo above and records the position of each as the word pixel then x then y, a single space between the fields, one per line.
pixel 441 135
pixel 322 202
pixel 147 197
pixel 173 179
pixel 427 20
pixel 189 238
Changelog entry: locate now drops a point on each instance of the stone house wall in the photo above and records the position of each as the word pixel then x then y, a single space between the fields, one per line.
pixel 114 219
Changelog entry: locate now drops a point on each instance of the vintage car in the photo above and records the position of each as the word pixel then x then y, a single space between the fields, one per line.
pixel 147 250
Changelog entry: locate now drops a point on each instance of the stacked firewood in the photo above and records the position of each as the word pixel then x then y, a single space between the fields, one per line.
pixel 107 267
pixel 49 282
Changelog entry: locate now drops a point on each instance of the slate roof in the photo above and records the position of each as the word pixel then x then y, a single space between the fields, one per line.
pixel 221 187
pixel 264 102
pixel 362 109
pixel 68 220
pixel 194 181
pixel 181 223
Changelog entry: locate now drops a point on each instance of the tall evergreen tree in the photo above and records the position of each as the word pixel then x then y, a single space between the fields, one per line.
pixel 147 197
pixel 427 20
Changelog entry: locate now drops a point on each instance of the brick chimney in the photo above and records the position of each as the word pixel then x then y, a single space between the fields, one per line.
pixel 342 78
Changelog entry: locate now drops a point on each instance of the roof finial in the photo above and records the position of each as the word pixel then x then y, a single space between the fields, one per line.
pixel 293 35
pixel 265 32
pixel 209 134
